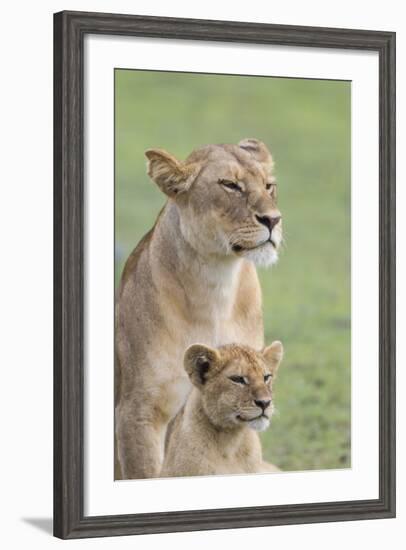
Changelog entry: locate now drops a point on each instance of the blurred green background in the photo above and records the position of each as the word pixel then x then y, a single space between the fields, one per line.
pixel 306 124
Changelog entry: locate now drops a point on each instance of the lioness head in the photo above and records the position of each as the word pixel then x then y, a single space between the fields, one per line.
pixel 226 199
pixel 235 383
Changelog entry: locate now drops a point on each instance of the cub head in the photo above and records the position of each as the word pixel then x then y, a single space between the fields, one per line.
pixel 235 383
pixel 226 198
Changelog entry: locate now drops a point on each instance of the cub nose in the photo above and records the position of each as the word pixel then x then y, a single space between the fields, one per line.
pixel 263 404
pixel 269 221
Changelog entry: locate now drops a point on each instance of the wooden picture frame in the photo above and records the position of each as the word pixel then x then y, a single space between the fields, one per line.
pixel 70 29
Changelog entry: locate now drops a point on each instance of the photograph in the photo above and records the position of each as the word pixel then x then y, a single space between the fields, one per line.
pixel 199 275
pixel 224 274
pixel 232 269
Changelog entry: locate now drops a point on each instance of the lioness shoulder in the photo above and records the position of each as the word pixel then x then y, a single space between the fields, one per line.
pixel 216 430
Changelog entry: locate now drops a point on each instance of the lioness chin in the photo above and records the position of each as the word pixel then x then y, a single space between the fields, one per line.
pixel 191 278
pixel 215 432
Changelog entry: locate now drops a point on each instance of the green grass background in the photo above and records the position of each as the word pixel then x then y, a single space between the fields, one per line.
pixel 306 124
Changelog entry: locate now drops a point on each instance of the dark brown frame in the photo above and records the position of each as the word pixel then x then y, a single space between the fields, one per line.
pixel 69 31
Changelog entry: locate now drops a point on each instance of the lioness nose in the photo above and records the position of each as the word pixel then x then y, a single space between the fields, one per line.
pixel 262 403
pixel 269 221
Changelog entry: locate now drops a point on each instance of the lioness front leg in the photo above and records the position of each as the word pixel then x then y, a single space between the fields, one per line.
pixel 139 443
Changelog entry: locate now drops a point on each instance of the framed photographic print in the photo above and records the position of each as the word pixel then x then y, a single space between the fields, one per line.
pixel 224 275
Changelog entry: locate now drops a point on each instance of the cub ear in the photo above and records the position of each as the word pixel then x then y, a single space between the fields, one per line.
pixel 258 150
pixel 273 355
pixel 172 176
pixel 199 362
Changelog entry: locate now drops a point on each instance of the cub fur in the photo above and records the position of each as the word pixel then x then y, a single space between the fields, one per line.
pixel 216 431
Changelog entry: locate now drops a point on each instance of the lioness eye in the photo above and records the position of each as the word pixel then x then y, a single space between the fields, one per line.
pixel 238 379
pixel 230 185
pixel 272 188
pixel 267 377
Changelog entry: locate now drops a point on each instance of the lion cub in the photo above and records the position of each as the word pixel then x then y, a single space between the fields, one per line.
pixel 215 431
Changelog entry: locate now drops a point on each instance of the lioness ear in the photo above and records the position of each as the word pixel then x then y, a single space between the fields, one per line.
pixel 258 150
pixel 199 362
pixel 172 176
pixel 273 355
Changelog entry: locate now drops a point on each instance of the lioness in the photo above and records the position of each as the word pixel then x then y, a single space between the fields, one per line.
pixel 214 432
pixel 191 278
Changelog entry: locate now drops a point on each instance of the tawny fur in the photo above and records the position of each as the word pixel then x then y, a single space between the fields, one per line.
pixel 214 432
pixel 184 283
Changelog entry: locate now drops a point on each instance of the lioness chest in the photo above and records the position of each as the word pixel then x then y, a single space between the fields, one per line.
pixel 213 312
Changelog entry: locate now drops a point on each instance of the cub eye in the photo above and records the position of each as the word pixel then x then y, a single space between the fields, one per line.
pixel 238 379
pixel 267 377
pixel 230 185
